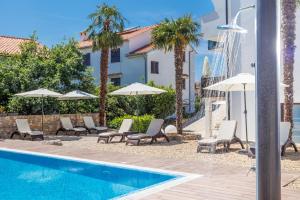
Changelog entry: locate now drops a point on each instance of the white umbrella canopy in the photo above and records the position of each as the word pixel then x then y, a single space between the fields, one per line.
pixel 42 92
pixel 235 83
pixel 77 95
pixel 136 89
pixel 206 72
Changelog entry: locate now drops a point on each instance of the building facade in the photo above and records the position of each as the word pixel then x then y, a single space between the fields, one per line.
pixel 137 61
pixel 224 12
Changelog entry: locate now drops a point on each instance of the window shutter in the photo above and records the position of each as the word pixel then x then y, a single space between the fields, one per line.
pixel 115 55
pixel 87 59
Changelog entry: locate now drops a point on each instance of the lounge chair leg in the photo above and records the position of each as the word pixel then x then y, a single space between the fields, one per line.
pixel 236 139
pixel 152 140
pixel 166 137
pixel 138 142
pixel 283 148
pixel 122 138
pixel 98 139
pixel 294 145
pixel 198 149
pixel 111 138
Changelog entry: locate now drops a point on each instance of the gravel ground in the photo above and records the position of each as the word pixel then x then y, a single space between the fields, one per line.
pixel 185 150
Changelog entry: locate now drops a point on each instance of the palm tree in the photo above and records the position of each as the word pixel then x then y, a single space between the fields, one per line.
pixel 107 23
pixel 288 32
pixel 176 35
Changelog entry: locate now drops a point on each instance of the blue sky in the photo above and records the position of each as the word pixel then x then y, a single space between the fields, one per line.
pixel 57 20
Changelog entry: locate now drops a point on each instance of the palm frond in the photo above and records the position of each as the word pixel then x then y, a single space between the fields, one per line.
pixel 181 32
pixel 106 23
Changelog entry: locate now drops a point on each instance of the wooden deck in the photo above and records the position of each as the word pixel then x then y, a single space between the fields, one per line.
pixel 217 183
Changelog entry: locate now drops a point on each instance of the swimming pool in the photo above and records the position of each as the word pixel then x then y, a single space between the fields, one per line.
pixel 25 175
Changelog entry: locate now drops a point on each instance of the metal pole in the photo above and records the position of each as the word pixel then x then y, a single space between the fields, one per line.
pixel 268 175
pixel 227 59
pixel 246 118
pixel 42 113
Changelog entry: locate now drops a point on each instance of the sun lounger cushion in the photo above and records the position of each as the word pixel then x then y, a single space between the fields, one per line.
pixel 66 123
pixel 89 123
pixel 23 127
pixel 138 136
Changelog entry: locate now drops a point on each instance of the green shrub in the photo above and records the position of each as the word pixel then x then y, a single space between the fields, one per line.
pixel 140 123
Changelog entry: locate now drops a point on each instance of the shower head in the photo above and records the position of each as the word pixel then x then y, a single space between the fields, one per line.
pixel 232 27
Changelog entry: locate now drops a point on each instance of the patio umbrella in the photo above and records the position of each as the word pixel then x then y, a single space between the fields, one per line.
pixel 242 82
pixel 76 95
pixel 206 72
pixel 137 89
pixel 40 93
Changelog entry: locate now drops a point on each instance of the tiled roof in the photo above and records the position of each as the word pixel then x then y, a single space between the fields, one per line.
pixel 11 45
pixel 142 50
pixel 126 35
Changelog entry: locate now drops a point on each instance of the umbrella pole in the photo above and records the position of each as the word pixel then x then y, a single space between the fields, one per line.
pixel 42 113
pixel 246 121
pixel 137 112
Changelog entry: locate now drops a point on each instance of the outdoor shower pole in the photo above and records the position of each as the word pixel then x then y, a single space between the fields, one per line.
pixel 268 174
pixel 227 59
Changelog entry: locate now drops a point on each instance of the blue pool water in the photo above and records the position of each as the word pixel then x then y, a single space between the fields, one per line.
pixel 27 176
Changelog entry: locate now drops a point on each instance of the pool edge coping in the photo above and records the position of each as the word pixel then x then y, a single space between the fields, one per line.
pixel 185 177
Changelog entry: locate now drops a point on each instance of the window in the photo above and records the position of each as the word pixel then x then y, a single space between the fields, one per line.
pixel 183 84
pixel 116 81
pixel 211 45
pixel 154 67
pixel 183 59
pixel 87 59
pixel 115 55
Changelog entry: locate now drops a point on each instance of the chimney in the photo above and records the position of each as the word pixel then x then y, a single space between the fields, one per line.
pixel 83 36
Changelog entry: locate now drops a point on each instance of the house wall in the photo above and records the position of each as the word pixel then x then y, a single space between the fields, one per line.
pixel 131 68
pixel 134 69
pixel 166 74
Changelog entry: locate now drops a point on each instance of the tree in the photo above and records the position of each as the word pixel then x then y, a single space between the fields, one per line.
pixel 176 35
pixel 107 23
pixel 288 32
pixel 59 68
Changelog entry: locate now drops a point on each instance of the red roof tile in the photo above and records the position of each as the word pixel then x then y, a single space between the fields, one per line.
pixel 126 35
pixel 142 50
pixel 11 45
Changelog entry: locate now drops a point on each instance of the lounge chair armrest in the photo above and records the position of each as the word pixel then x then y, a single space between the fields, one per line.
pixel 130 133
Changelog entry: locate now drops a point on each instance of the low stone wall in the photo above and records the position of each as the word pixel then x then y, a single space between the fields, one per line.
pixel 51 122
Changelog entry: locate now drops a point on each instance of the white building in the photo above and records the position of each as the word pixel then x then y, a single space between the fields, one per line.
pixel 246 57
pixel 137 61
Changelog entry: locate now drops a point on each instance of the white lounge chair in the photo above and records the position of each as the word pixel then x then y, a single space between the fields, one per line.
pixel 67 126
pixel 225 135
pixel 122 132
pixel 90 125
pixel 285 141
pixel 153 132
pixel 24 130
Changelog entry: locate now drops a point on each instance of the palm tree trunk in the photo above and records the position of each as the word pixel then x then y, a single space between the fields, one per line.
pixel 178 81
pixel 288 29
pixel 103 85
